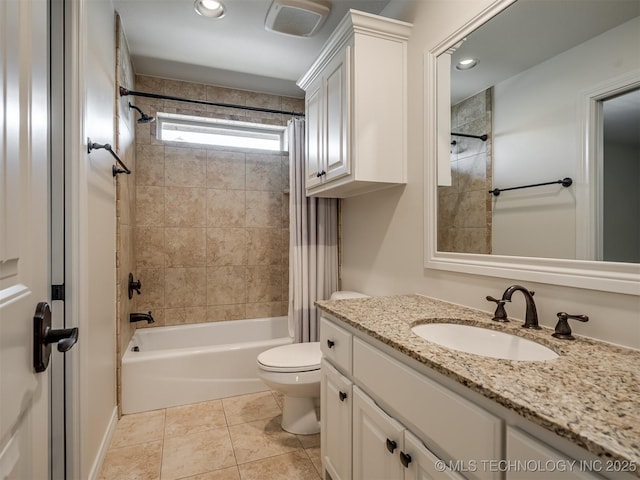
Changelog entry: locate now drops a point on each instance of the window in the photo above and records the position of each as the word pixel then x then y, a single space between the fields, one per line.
pixel 225 133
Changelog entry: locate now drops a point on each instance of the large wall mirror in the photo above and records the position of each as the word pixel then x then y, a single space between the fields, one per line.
pixel 533 144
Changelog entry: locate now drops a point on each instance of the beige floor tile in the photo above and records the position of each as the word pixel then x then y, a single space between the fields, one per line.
pixel 230 473
pixel 196 417
pixel 139 462
pixel 309 441
pixel 139 428
pixel 261 439
pixel 196 453
pixel 279 396
pixel 295 465
pixel 316 458
pixel 248 408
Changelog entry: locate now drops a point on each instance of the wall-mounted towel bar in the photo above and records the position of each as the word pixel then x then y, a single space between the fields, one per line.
pixel 482 137
pixel 115 170
pixel 124 92
pixel 565 182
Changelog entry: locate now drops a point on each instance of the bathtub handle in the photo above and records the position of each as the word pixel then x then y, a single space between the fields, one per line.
pixel 343 396
pixel 330 343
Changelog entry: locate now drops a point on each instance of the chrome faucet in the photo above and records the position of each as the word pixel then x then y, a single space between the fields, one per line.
pixel 141 317
pixel 531 315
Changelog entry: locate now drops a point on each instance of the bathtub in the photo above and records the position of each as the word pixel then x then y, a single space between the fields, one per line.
pixel 169 366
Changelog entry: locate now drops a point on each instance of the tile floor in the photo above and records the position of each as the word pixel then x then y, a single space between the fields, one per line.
pixel 234 438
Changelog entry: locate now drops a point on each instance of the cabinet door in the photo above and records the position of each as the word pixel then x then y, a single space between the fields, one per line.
pixel 337 112
pixel 314 134
pixel 377 441
pixel 422 464
pixel 335 418
pixel 529 458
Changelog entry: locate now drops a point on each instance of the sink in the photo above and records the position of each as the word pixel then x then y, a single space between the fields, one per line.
pixel 482 341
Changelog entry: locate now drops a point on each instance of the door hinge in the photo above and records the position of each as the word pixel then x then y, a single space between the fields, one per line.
pixel 57 292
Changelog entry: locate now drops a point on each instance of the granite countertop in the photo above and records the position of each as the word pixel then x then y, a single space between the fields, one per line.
pixel 590 395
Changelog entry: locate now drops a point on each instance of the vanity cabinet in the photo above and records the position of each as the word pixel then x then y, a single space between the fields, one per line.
pixel 356 108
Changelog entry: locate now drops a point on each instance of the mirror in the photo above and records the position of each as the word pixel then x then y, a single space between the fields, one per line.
pixel 532 149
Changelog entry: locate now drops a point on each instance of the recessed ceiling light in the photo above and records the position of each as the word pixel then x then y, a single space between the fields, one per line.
pixel 209 8
pixel 466 63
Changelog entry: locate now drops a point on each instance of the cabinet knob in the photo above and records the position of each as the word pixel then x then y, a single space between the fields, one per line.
pixel 391 445
pixel 321 173
pixel 405 459
pixel 343 396
pixel 330 343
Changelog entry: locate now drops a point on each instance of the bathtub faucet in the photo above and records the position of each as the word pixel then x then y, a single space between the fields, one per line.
pixel 141 317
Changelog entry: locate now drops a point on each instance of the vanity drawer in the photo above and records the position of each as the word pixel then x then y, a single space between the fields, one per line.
pixel 452 426
pixel 335 343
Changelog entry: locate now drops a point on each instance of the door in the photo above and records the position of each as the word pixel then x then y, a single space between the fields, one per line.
pixel 377 441
pixel 24 233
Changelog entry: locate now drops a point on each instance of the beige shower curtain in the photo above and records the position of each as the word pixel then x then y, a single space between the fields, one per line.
pixel 313 244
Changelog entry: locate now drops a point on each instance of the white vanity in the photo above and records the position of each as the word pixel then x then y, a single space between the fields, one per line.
pixel 397 407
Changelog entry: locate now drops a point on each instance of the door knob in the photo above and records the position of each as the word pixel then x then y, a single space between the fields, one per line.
pixel 44 336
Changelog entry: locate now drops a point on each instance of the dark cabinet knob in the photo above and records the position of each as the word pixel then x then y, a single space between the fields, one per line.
pixel 391 445
pixel 343 396
pixel 330 343
pixel 405 459
pixel 321 173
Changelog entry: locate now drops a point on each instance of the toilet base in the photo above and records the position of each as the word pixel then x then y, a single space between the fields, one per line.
pixel 299 415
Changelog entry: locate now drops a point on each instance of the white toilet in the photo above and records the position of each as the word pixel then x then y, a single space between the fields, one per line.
pixel 295 371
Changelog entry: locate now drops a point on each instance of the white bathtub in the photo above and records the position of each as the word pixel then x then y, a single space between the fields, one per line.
pixel 193 363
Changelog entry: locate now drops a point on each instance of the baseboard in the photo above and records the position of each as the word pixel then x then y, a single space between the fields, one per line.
pixel 94 473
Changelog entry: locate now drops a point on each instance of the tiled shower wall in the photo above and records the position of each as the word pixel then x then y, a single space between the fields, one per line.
pixel 211 224
pixel 464 208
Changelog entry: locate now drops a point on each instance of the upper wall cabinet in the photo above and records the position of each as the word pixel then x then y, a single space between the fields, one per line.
pixel 356 108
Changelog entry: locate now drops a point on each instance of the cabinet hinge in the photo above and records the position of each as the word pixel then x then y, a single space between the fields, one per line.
pixel 57 292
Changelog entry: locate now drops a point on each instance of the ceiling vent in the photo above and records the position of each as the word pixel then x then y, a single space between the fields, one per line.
pixel 299 18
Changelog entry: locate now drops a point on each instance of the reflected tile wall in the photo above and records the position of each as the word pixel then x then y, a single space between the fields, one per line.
pixel 211 230
pixel 464 208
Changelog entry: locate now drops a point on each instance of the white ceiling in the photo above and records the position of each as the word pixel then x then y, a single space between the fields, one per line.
pixel 168 39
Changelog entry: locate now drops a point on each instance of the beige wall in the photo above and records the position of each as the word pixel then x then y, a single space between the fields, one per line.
pixel 211 225
pixel 383 232
pixel 464 208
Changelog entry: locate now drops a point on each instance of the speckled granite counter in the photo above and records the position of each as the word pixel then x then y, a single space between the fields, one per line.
pixel 590 395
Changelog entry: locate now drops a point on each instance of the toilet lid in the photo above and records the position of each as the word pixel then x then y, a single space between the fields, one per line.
pixel 297 357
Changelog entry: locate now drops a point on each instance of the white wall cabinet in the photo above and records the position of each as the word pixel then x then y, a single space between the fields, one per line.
pixel 356 108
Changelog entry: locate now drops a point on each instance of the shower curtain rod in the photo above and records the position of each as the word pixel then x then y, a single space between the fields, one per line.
pixel 124 92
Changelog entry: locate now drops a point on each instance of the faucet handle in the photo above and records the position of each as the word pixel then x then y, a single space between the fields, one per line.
pixel 563 330
pixel 500 314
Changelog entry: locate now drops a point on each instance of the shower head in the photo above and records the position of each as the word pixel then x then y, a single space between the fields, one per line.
pixel 144 118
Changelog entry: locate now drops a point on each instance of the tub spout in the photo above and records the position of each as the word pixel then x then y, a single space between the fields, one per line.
pixel 141 317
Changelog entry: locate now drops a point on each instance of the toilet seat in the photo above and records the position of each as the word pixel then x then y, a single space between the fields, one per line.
pixel 297 357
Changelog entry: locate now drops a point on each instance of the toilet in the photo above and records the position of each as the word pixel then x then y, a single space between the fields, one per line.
pixel 294 370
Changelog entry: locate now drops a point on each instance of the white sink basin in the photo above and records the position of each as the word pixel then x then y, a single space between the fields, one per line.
pixel 482 341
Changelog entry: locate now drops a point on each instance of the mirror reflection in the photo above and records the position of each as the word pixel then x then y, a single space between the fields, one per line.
pixel 547 93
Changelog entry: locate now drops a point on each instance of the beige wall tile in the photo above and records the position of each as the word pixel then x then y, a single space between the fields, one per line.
pixel 226 170
pixel 225 208
pixel 226 246
pixel 264 172
pixel 153 288
pixel 185 167
pixel 226 285
pixel 264 310
pixel 264 284
pixel 217 313
pixel 149 246
pixel 185 247
pixel 263 209
pixel 264 246
pixel 150 165
pixel 150 206
pixel 184 207
pixel 185 287
pixel 185 315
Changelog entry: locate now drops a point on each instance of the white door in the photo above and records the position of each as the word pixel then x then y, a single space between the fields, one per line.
pixel 24 233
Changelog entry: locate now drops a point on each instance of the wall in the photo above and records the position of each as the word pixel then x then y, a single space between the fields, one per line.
pixel 125 201
pixel 382 236
pixel 211 234
pixel 538 138
pixel 464 208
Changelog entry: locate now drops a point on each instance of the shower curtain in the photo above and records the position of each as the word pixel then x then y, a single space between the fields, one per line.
pixel 313 244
